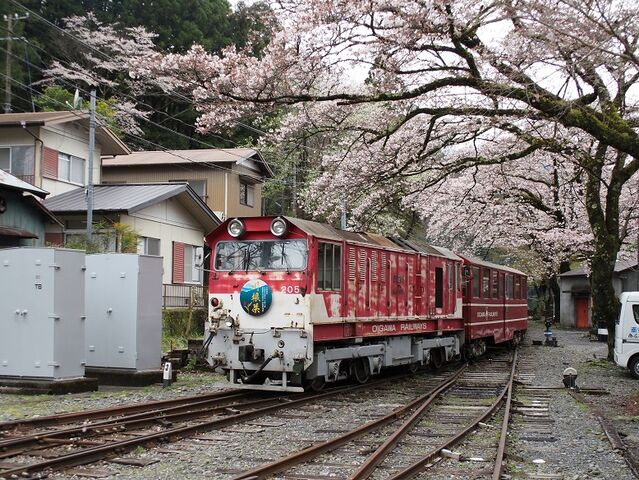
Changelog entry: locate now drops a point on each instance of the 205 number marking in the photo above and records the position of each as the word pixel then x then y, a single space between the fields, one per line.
pixel 290 289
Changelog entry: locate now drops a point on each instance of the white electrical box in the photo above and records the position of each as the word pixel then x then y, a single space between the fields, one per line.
pixel 42 323
pixel 124 311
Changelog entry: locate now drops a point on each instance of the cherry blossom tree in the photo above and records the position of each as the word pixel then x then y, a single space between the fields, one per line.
pixel 449 86
pixel 104 56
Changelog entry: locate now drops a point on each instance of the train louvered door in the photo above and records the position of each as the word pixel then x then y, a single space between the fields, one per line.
pixel 351 284
pixel 363 283
pixel 450 285
pixel 421 295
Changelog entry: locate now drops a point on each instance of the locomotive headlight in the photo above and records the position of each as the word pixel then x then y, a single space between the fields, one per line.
pixel 279 227
pixel 235 228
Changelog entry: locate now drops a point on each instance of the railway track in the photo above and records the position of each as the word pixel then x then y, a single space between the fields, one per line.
pixel 410 440
pixel 86 437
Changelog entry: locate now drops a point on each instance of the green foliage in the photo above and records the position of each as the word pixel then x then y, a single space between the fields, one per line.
pixel 177 23
pixel 105 235
pixel 56 98
pixel 126 240
pixel 178 325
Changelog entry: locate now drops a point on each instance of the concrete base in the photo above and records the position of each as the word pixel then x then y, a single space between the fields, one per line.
pixel 39 386
pixel 126 377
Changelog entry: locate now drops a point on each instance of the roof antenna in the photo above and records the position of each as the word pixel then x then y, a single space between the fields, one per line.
pixel 77 101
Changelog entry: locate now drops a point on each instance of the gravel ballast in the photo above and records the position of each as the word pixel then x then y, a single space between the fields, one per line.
pixel 556 436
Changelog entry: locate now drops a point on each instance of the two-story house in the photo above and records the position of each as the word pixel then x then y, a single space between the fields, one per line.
pixel 228 180
pixel 50 149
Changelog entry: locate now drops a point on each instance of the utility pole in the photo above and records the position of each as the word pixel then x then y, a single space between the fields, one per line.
pixel 7 81
pixel 90 179
pixel 343 216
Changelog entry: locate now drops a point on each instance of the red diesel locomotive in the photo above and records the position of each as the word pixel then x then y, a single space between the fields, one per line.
pixel 295 303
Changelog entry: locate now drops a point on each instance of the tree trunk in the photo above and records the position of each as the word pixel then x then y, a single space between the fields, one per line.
pixel 605 305
pixel 604 222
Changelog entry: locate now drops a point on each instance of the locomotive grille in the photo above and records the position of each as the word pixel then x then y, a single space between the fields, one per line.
pixel 374 267
pixel 383 262
pixel 362 266
pixel 351 264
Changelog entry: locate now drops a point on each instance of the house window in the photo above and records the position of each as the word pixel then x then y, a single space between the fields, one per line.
pixel 247 194
pixel 18 160
pixel 330 266
pixel 193 258
pixel 148 246
pixel 71 169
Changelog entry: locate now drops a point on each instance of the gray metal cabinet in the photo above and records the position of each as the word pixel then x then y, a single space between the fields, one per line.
pixel 124 311
pixel 42 313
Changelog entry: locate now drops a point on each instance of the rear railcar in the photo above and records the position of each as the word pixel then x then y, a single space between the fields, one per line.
pixel 495 305
pixel 296 303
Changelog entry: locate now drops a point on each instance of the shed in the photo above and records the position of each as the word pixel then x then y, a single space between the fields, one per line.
pixel 575 294
pixel 23 217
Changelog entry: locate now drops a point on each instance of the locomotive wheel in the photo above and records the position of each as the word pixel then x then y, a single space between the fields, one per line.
pixel 436 358
pixel 360 369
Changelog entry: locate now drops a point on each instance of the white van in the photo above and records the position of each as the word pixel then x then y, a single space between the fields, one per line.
pixel 627 333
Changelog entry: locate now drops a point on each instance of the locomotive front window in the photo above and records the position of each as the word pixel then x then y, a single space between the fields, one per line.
pixel 277 255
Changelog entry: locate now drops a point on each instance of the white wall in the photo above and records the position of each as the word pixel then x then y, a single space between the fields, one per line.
pixel 170 222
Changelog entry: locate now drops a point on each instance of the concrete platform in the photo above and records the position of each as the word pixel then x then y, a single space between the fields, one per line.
pixel 39 386
pixel 126 377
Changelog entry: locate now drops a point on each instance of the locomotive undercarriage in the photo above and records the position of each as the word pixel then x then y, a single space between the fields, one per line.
pixel 275 360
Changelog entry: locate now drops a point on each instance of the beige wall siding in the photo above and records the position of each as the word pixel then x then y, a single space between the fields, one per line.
pixel 170 222
pixel 72 139
pixel 216 179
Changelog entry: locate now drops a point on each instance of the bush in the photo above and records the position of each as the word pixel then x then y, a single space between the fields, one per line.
pixel 178 325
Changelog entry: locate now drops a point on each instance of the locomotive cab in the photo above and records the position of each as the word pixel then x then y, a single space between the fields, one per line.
pixel 258 309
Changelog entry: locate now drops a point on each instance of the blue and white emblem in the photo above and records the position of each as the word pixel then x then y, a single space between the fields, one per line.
pixel 256 297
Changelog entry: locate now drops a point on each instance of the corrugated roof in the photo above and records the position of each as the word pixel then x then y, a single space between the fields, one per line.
pixel 109 143
pixel 204 155
pixel 322 230
pixel 484 263
pixel 9 181
pixel 125 197
pixel 620 266
pixel 132 198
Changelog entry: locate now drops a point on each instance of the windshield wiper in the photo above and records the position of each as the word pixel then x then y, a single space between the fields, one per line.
pixel 285 259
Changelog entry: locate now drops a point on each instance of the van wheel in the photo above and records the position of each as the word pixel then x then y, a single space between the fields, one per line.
pixel 633 365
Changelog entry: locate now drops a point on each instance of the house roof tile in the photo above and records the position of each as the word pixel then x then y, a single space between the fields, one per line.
pixel 203 156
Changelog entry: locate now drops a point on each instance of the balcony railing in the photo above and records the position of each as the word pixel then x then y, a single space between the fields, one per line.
pixel 27 178
pixel 183 296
